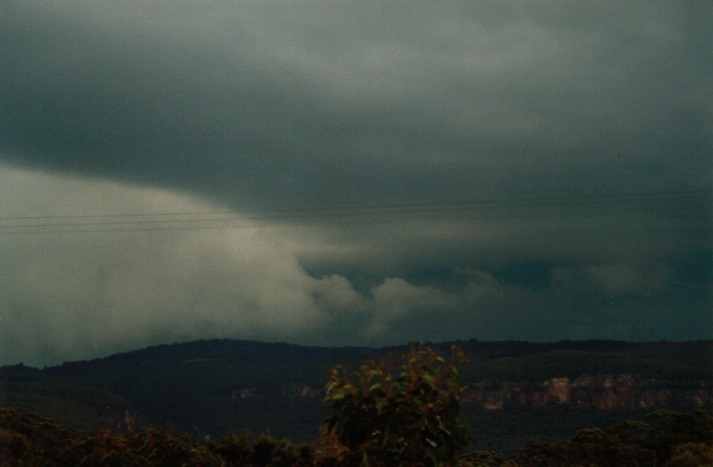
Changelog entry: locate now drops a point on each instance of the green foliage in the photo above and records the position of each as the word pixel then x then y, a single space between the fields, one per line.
pixel 395 411
pixel 398 412
pixel 692 455
pixel 481 459
pixel 264 450
pixel 27 439
pixel 84 407
pixel 191 386
pixel 673 430
pixel 672 439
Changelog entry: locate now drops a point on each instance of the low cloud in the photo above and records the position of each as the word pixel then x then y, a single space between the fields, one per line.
pixel 628 279
pixel 396 298
pixel 76 294
pixel 71 294
pixel 539 172
pixel 616 279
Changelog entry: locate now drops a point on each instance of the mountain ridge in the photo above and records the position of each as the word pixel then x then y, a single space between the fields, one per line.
pixel 216 386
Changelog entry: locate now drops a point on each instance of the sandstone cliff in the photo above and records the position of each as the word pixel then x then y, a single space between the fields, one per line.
pixel 601 392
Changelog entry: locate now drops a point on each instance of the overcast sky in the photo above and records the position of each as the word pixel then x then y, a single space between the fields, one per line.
pixel 352 172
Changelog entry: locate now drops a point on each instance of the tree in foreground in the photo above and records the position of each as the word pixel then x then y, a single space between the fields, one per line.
pixel 396 411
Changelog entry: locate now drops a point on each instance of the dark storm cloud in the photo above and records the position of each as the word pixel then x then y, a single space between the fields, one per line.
pixel 260 101
pixel 262 105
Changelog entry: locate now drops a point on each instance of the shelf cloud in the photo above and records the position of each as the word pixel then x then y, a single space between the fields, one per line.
pixel 352 173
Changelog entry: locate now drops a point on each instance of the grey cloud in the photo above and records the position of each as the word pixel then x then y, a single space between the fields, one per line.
pixel 68 294
pixel 239 100
pixel 82 293
pixel 617 279
pixel 261 105
pixel 622 279
pixel 396 298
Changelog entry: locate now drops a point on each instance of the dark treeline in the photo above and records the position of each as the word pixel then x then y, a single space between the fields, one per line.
pixel 215 387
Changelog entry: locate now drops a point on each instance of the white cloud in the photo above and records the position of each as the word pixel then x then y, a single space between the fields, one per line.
pixel 67 294
pixel 396 298
pixel 335 294
pixel 616 279
pixel 625 278
pixel 79 294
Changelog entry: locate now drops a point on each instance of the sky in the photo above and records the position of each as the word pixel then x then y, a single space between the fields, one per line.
pixel 352 173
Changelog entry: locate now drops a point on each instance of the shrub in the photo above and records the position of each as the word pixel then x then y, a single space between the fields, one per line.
pixel 27 439
pixel 402 411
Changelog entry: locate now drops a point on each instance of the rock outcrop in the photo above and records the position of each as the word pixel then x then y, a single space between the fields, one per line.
pixel 602 392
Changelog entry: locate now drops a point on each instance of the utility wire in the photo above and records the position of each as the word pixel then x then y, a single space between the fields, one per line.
pixel 464 204
pixel 354 215
pixel 686 225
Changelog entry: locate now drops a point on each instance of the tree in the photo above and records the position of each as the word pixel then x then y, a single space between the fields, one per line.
pixel 403 411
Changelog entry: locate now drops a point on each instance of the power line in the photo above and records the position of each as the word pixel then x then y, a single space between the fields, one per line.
pixel 352 215
pixel 591 198
pixel 309 224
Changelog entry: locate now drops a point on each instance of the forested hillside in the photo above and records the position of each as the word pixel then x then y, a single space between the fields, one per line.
pixel 513 391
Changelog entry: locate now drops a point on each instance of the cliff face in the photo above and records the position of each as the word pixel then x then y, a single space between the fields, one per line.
pixel 604 392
